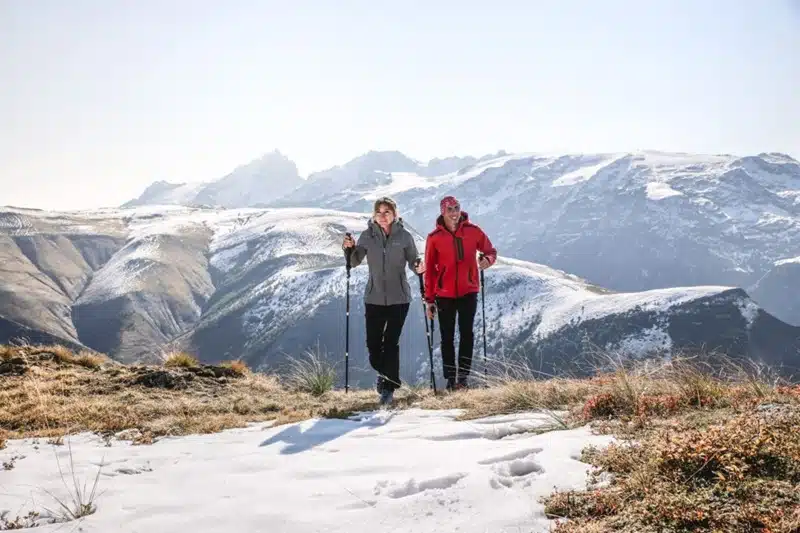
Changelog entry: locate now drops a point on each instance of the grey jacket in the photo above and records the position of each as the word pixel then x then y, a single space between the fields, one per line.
pixel 387 259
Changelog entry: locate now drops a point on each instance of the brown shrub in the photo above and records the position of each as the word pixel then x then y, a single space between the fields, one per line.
pixel 90 360
pixel 238 366
pixel 740 475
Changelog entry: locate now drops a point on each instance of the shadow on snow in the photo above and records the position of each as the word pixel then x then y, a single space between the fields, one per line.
pixel 303 436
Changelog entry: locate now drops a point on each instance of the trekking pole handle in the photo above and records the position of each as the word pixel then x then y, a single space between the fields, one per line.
pixel 348 251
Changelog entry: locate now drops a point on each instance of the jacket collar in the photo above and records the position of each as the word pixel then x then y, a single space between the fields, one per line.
pixel 463 221
pixel 376 230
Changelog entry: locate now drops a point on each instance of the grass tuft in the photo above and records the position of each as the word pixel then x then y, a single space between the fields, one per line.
pixel 238 366
pixel 312 374
pixel 180 360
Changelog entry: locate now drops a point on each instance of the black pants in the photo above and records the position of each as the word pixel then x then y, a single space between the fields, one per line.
pixel 463 309
pixel 384 326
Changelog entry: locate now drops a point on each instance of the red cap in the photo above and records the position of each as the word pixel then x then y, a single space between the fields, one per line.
pixel 447 201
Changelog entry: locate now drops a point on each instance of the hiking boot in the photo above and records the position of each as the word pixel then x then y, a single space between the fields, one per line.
pixel 450 384
pixel 462 384
pixel 387 395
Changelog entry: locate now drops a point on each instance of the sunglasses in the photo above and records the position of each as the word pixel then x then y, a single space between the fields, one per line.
pixel 453 208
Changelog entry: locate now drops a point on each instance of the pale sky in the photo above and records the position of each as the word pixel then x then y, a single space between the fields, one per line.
pixel 99 98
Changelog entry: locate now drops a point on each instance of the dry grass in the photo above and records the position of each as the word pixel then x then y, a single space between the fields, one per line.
pixel 703 451
pixel 238 366
pixel 59 393
pixel 700 451
pixel 59 354
pixel 738 475
pixel 180 360
pixel 6 353
pixel 313 374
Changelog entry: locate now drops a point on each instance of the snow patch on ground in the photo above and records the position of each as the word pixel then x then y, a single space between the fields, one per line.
pixel 580 175
pixel 404 471
pixel 792 260
pixel 401 182
pixel 749 311
pixel 678 160
pixel 657 190
pixel 791 195
pixel 654 339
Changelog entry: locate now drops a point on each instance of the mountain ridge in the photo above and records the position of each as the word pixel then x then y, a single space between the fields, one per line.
pixel 261 284
pixel 648 218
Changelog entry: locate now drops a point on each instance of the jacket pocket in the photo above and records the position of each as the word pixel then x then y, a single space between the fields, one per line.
pixel 405 290
pixel 440 281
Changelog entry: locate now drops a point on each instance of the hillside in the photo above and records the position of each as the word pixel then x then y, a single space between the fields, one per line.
pixel 779 287
pixel 160 447
pixel 263 284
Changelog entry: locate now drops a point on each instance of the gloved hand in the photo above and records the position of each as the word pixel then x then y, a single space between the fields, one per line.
pixel 348 242
pixel 431 310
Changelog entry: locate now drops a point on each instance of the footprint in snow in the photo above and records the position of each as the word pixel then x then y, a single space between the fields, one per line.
pixel 412 486
pixel 509 469
pixel 128 471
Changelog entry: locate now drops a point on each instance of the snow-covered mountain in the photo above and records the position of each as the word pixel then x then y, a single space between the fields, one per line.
pixel 260 181
pixel 780 286
pixel 627 221
pixel 261 284
pixel 371 171
pixel 647 220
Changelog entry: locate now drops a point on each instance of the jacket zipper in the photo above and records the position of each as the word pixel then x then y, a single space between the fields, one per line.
pixel 385 296
pixel 455 245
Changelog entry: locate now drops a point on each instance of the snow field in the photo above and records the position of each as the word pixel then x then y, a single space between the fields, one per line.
pixel 394 471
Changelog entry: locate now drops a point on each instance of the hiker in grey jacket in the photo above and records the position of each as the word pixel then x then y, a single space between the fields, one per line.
pixel 389 248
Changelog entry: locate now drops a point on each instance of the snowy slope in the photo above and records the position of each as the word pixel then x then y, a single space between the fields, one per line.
pixel 262 284
pixel 780 288
pixel 350 476
pixel 260 181
pixel 164 193
pixel 534 290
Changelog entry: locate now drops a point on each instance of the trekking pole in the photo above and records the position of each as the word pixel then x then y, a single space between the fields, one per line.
pixel 483 311
pixel 428 332
pixel 348 252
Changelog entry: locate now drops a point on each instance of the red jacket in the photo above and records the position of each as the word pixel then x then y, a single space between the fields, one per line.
pixel 451 270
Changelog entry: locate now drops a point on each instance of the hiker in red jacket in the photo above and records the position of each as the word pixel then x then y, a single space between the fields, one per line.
pixel 452 283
